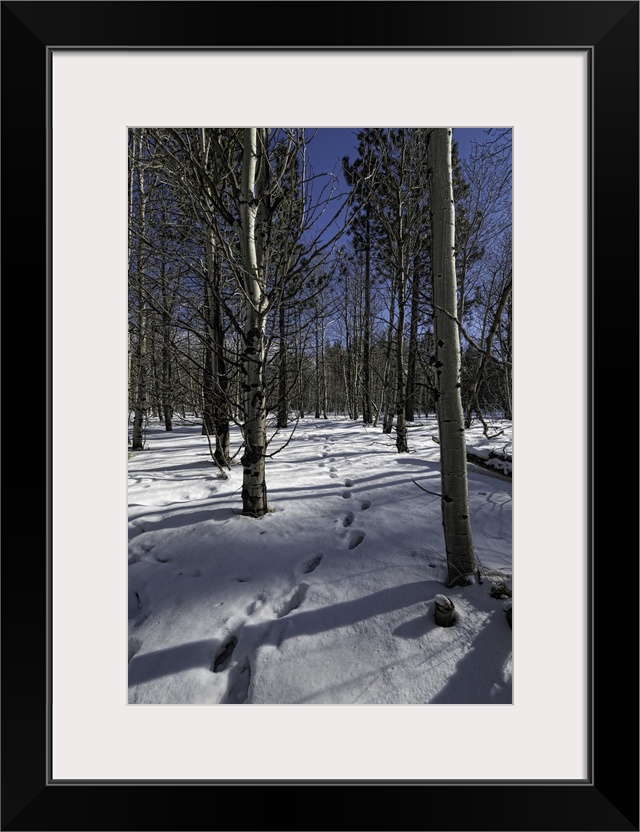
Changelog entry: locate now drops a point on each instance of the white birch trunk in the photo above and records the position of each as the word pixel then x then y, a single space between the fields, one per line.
pixel 453 451
pixel 254 487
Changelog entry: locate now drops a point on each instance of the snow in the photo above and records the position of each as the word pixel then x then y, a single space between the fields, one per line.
pixel 328 599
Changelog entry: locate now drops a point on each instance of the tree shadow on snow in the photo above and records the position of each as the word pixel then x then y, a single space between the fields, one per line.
pixel 346 613
pixel 474 679
pixel 173 518
pixel 147 666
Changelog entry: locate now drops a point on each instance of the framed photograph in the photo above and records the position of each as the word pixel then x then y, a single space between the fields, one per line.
pixel 563 77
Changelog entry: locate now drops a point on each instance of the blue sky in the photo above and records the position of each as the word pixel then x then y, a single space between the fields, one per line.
pixel 330 144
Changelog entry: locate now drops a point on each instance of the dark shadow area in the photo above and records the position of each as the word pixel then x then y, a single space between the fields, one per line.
pixel 473 681
pixel 422 463
pixel 474 468
pixel 358 483
pixel 346 613
pixel 147 666
pixel 335 454
pixel 158 663
pixel 178 519
pixel 158 439
pixel 417 627
pixel 199 465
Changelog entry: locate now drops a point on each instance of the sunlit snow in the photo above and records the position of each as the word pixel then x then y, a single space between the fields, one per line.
pixel 330 597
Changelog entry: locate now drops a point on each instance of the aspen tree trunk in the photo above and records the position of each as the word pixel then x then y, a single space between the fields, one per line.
pixel 324 366
pixel 401 426
pixel 254 486
pixel 283 381
pixel 208 377
pixel 411 401
pixel 141 393
pixel 192 395
pixel 317 357
pixel 507 371
pixel 453 451
pixel 215 419
pixel 155 374
pixel 386 403
pixel 366 334
pixel 167 381
pixel 167 404
pixel 221 411
pixel 208 382
pixel 429 377
pixel 348 352
pixel 215 416
pixel 301 381
pixel 140 406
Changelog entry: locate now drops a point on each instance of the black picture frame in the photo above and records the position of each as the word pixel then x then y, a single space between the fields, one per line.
pixel 608 799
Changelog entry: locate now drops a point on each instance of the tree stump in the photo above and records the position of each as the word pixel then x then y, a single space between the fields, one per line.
pixel 444 611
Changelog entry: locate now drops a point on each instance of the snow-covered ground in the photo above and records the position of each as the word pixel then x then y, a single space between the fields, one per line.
pixel 330 597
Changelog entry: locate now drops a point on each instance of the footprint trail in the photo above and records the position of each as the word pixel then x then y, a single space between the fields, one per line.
pixel 294 602
pixel 355 538
pixel 223 656
pixel 312 564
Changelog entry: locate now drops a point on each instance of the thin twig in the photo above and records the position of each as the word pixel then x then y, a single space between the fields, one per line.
pixel 426 490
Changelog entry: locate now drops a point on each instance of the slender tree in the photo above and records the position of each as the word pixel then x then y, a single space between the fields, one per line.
pixel 453 451
pixel 493 319
pixel 390 191
pixel 361 177
pixel 268 195
pixel 138 205
pixel 253 238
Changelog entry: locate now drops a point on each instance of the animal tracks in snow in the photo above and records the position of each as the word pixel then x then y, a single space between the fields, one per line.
pixel 354 538
pixel 235 656
pixel 223 656
pixel 239 671
pixel 294 602
pixel 312 564
pixel 239 681
pixel 239 684
pixel 273 619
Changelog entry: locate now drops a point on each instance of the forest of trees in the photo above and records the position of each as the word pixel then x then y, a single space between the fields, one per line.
pixel 247 307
